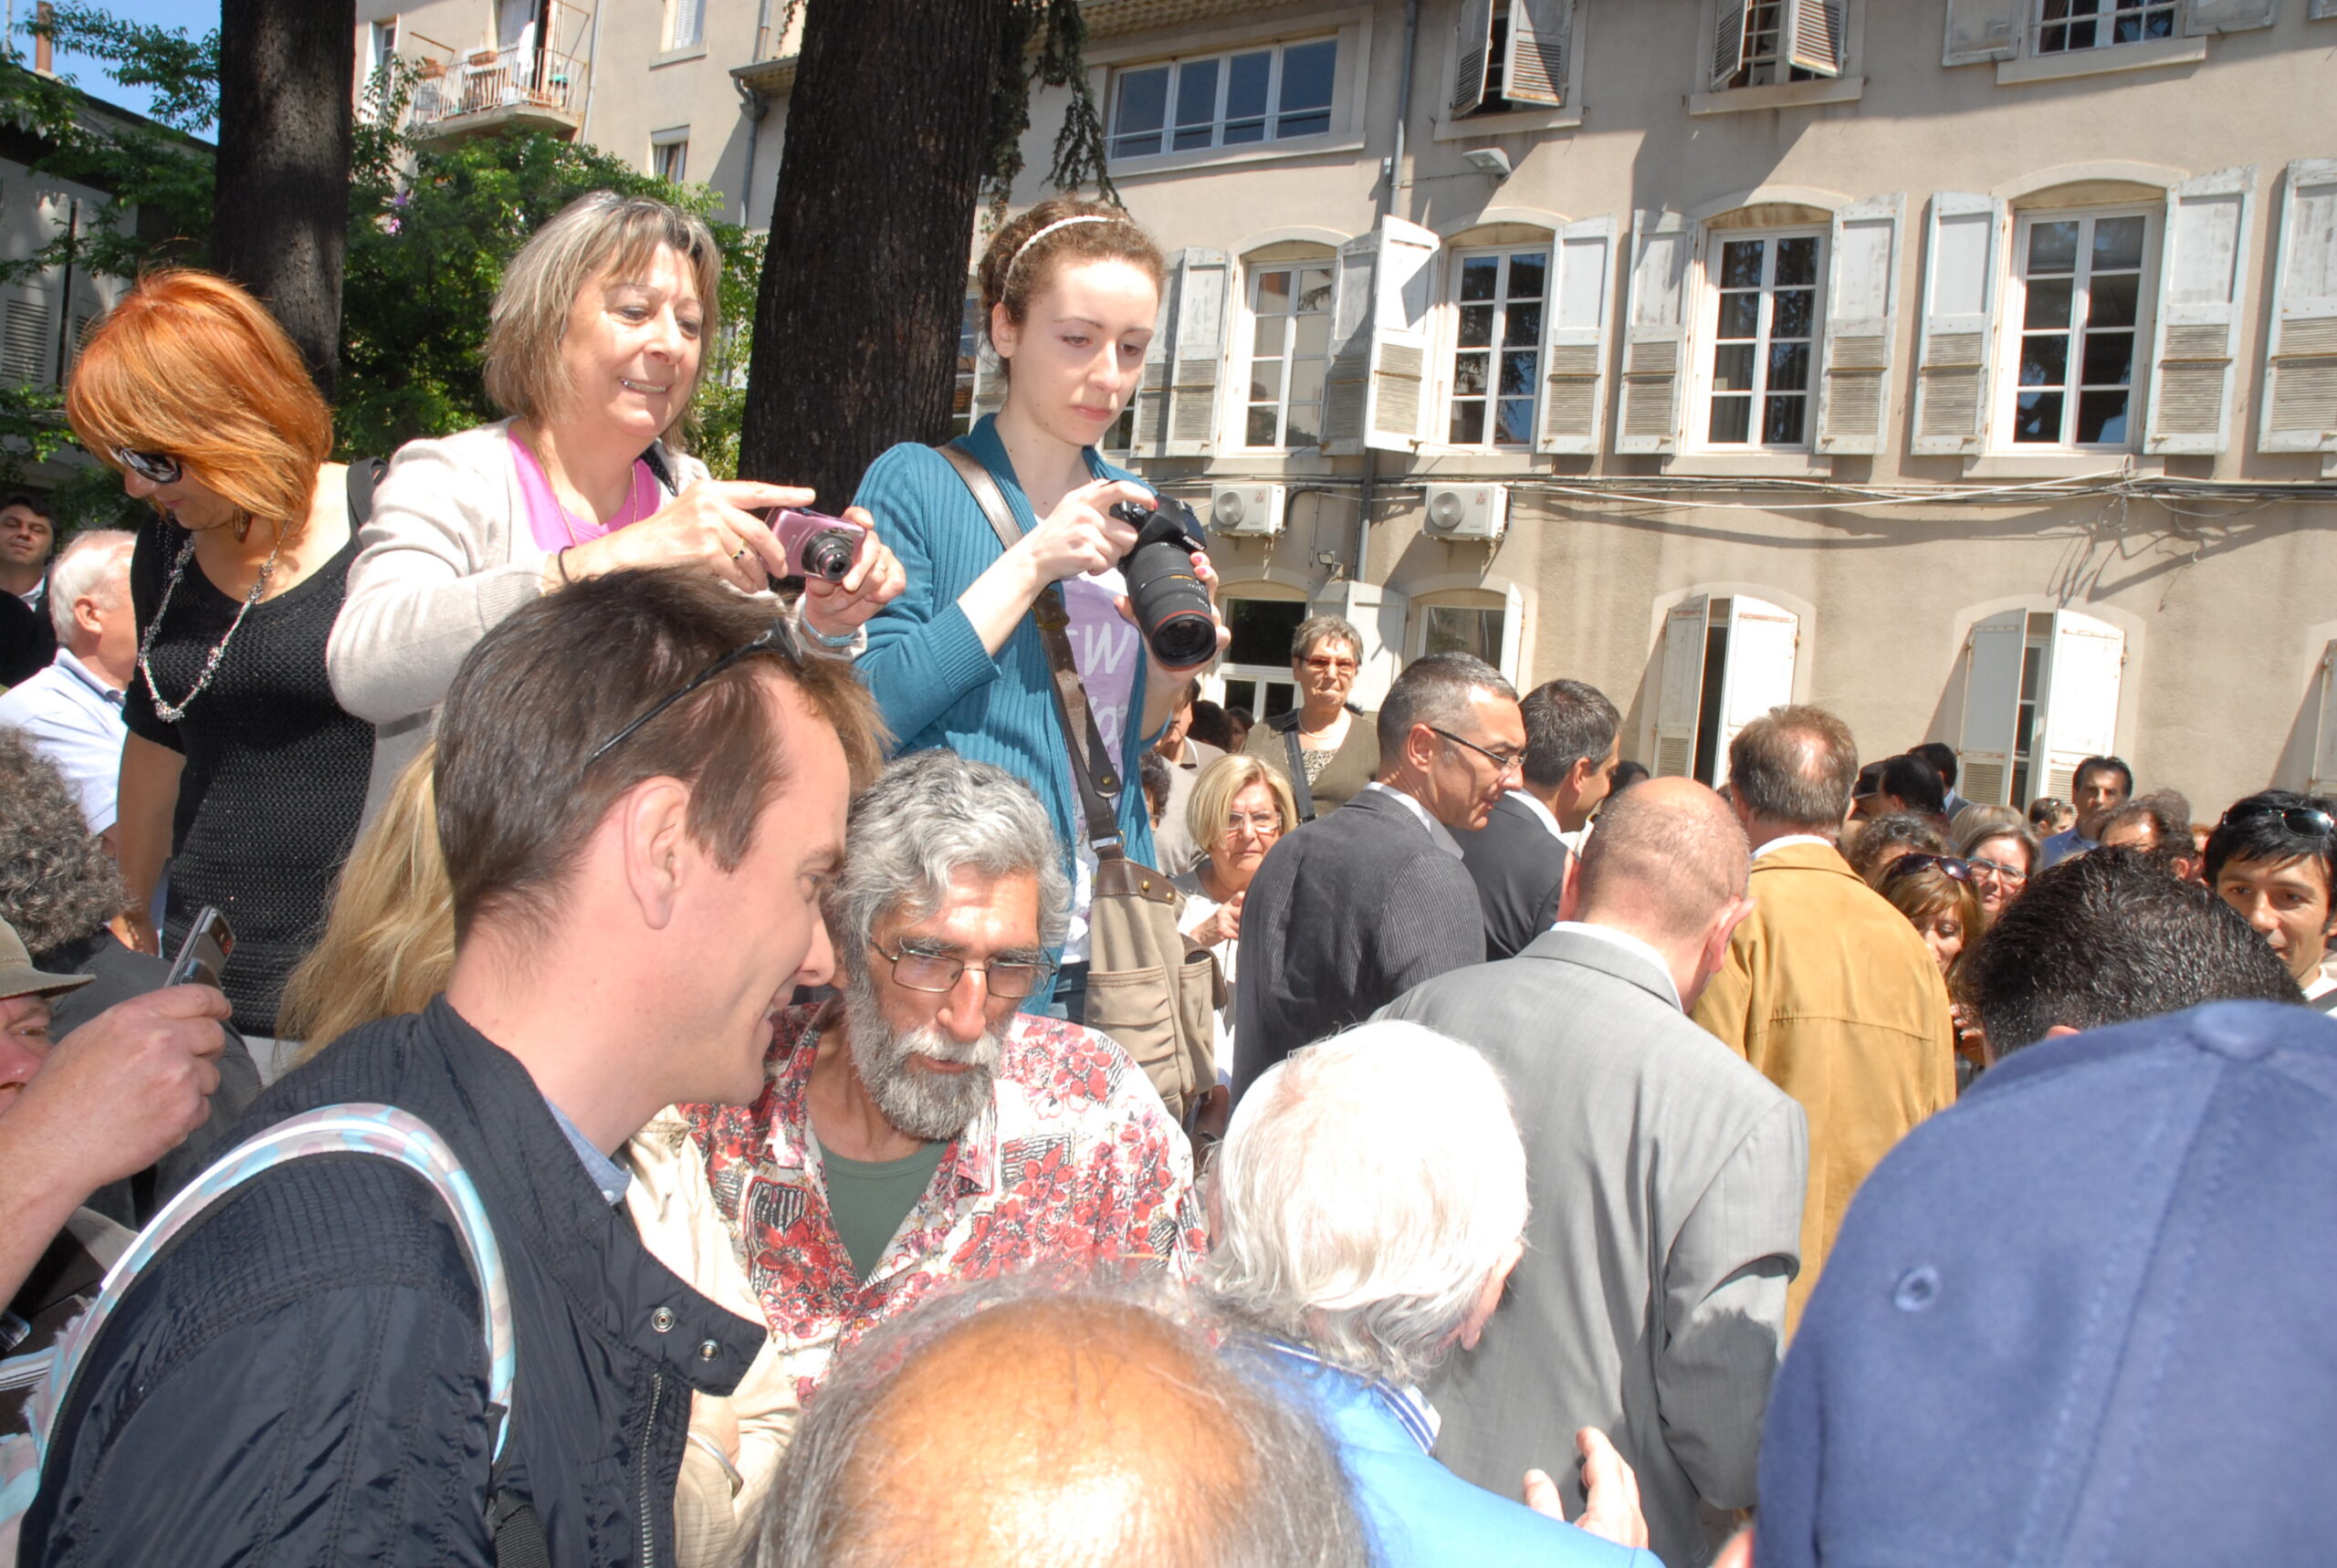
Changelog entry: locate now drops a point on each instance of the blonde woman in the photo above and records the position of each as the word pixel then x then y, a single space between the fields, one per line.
pixel 594 348
pixel 1239 810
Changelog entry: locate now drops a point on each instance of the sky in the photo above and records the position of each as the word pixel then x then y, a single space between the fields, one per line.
pixel 195 16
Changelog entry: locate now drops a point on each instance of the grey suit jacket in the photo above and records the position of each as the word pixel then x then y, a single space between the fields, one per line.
pixel 1667 1179
pixel 1346 914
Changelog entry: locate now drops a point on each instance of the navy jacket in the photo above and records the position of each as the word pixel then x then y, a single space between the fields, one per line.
pixel 301 1378
pixel 1520 868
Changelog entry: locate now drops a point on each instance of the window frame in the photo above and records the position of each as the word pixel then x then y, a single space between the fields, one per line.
pixel 670 144
pixel 1269 118
pixel 2039 23
pixel 1448 348
pixel 1351 23
pixel 2010 328
pixel 1252 271
pixel 1704 340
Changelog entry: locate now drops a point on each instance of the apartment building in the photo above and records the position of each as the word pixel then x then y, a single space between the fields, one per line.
pixel 1966 366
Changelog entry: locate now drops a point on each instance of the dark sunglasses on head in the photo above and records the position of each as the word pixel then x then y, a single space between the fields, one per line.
pixel 1909 865
pixel 776 639
pixel 2308 821
pixel 157 467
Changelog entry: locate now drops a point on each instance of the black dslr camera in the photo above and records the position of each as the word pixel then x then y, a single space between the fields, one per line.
pixel 1171 606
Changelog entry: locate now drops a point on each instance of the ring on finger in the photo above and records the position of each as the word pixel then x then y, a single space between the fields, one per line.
pixel 740 553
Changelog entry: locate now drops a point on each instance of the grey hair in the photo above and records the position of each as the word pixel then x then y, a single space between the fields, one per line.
pixel 1288 1505
pixel 57 884
pixel 599 231
pixel 931 814
pixel 1323 628
pixel 1435 691
pixel 1368 1187
pixel 94 565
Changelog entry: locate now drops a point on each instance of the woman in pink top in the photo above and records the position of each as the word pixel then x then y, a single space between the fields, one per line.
pixel 595 347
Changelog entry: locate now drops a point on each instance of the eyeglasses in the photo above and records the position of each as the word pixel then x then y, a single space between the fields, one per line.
pixel 1008 978
pixel 1507 762
pixel 1948 865
pixel 776 640
pixel 1998 869
pixel 1261 822
pixel 2310 822
pixel 1325 665
pixel 158 467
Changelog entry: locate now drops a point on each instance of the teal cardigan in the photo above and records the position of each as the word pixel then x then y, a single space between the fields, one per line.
pixel 924 663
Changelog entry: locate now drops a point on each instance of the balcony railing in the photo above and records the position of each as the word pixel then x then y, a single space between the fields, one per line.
pixel 486 80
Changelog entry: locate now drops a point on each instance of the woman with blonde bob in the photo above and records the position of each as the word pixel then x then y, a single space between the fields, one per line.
pixel 1240 808
pixel 594 348
pixel 241 769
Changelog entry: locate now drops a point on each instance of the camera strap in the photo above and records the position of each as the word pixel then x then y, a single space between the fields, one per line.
pixel 1092 773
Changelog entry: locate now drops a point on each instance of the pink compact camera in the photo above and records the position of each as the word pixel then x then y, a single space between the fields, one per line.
pixel 816 544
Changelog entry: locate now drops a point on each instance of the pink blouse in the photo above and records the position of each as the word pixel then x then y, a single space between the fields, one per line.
pixel 553 525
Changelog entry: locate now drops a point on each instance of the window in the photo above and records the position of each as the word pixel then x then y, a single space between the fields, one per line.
pixel 1758 55
pixel 979 386
pixel 669 158
pixel 1497 346
pixel 1509 55
pixel 1256 672
pixel 2080 310
pixel 2065 25
pixel 1289 349
pixel 381 47
pixel 1224 100
pixel 1762 43
pixel 2040 695
pixel 684 24
pixel 1461 628
pixel 1764 331
pixel 1723 662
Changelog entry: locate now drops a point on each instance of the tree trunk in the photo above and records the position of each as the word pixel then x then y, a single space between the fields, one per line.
pixel 864 278
pixel 286 77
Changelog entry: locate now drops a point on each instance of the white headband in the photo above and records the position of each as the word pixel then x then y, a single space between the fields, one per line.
pixel 1059 223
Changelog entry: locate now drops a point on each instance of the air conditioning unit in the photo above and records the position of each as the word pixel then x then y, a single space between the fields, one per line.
pixel 1468 511
pixel 1246 511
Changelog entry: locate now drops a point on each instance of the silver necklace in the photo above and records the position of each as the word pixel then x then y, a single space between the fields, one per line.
pixel 167 713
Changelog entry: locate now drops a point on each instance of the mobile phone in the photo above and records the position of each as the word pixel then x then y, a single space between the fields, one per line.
pixel 817 545
pixel 204 952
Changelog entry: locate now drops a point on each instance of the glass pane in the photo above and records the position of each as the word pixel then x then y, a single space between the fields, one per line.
pixel 1314 289
pixel 1266 381
pixel 2044 362
pixel 2111 300
pixel 1468 423
pixel 2117 243
pixel 1788 367
pixel 1476 325
pixel 1795 309
pixel 1313 333
pixel 1523 324
pixel 1262 629
pixel 1740 264
pixel 2108 358
pixel 2053 248
pixel 1733 368
pixel 1245 86
pixel 1517 373
pixel 1306 73
pixel 2049 304
pixel 1243 131
pixel 1796 261
pixel 1268 336
pixel 1305 382
pixel 1305 425
pixel 1136 146
pixel 1731 419
pixel 1516 421
pixel 1469 375
pixel 1454 629
pixel 1195 103
pixel 1480 278
pixel 1781 420
pixel 2101 418
pixel 1526 273
pixel 1312 124
pixel 1261 426
pixel 1144 101
pixel 2039 418
pixel 1274 290
pixel 1740 315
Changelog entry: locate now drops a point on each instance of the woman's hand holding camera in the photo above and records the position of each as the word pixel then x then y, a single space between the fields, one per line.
pixel 832 610
pixel 1081 535
pixel 708 525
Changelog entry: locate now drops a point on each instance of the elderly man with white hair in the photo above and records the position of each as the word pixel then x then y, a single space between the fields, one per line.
pixel 1359 1274
pixel 71 711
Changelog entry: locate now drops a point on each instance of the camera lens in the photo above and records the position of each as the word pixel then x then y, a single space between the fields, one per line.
pixel 1171 606
pixel 828 554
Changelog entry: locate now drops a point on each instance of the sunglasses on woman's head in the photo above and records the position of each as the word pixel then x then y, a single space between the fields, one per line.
pixel 1909 865
pixel 156 467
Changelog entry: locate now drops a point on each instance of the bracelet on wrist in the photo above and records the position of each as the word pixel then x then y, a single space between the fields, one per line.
pixel 841 640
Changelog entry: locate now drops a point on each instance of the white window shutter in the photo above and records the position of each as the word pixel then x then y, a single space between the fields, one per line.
pixel 1984 752
pixel 1960 290
pixel 2324 743
pixel 1382 290
pixel 1981 30
pixel 1202 280
pixel 1149 437
pixel 1472 36
pixel 1512 632
pixel 1574 350
pixel 1812 37
pixel 2322 9
pixel 2229 15
pixel 2081 719
pixel 1534 69
pixel 1655 334
pixel 1729 42
pixel 1355 271
pixel 1763 641
pixel 2203 272
pixel 1861 325
pixel 2301 370
pixel 1681 689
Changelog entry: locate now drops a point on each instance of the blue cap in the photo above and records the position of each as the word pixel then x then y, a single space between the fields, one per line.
pixel 2088 1316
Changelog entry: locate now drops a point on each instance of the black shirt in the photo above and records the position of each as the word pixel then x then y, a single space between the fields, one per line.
pixel 276 772
pixel 28 641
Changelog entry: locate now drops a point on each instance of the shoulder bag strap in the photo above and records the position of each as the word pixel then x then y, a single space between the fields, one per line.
pixel 1302 793
pixel 364 473
pixel 1091 765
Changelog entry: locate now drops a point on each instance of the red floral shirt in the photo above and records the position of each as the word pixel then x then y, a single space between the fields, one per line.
pixel 1076 1163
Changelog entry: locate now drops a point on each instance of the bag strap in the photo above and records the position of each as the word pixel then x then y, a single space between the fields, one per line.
pixel 1092 773
pixel 364 475
pixel 1302 792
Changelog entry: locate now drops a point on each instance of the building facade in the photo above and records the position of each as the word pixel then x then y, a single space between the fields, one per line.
pixel 1968 367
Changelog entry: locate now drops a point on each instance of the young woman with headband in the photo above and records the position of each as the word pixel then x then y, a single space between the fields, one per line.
pixel 1069 293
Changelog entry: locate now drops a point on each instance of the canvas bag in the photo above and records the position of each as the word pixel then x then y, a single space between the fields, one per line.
pixel 1148 987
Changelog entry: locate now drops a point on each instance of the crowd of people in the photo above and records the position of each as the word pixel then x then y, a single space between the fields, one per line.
pixel 785 1165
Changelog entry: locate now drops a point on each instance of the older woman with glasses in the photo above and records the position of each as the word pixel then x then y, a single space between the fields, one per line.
pixel 1326 746
pixel 2002 849
pixel 1240 808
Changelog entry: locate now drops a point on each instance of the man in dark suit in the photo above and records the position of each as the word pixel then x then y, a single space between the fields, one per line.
pixel 1519 857
pixel 1666 1174
pixel 1361 905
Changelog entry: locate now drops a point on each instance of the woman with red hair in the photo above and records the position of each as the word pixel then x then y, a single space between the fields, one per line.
pixel 241 770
